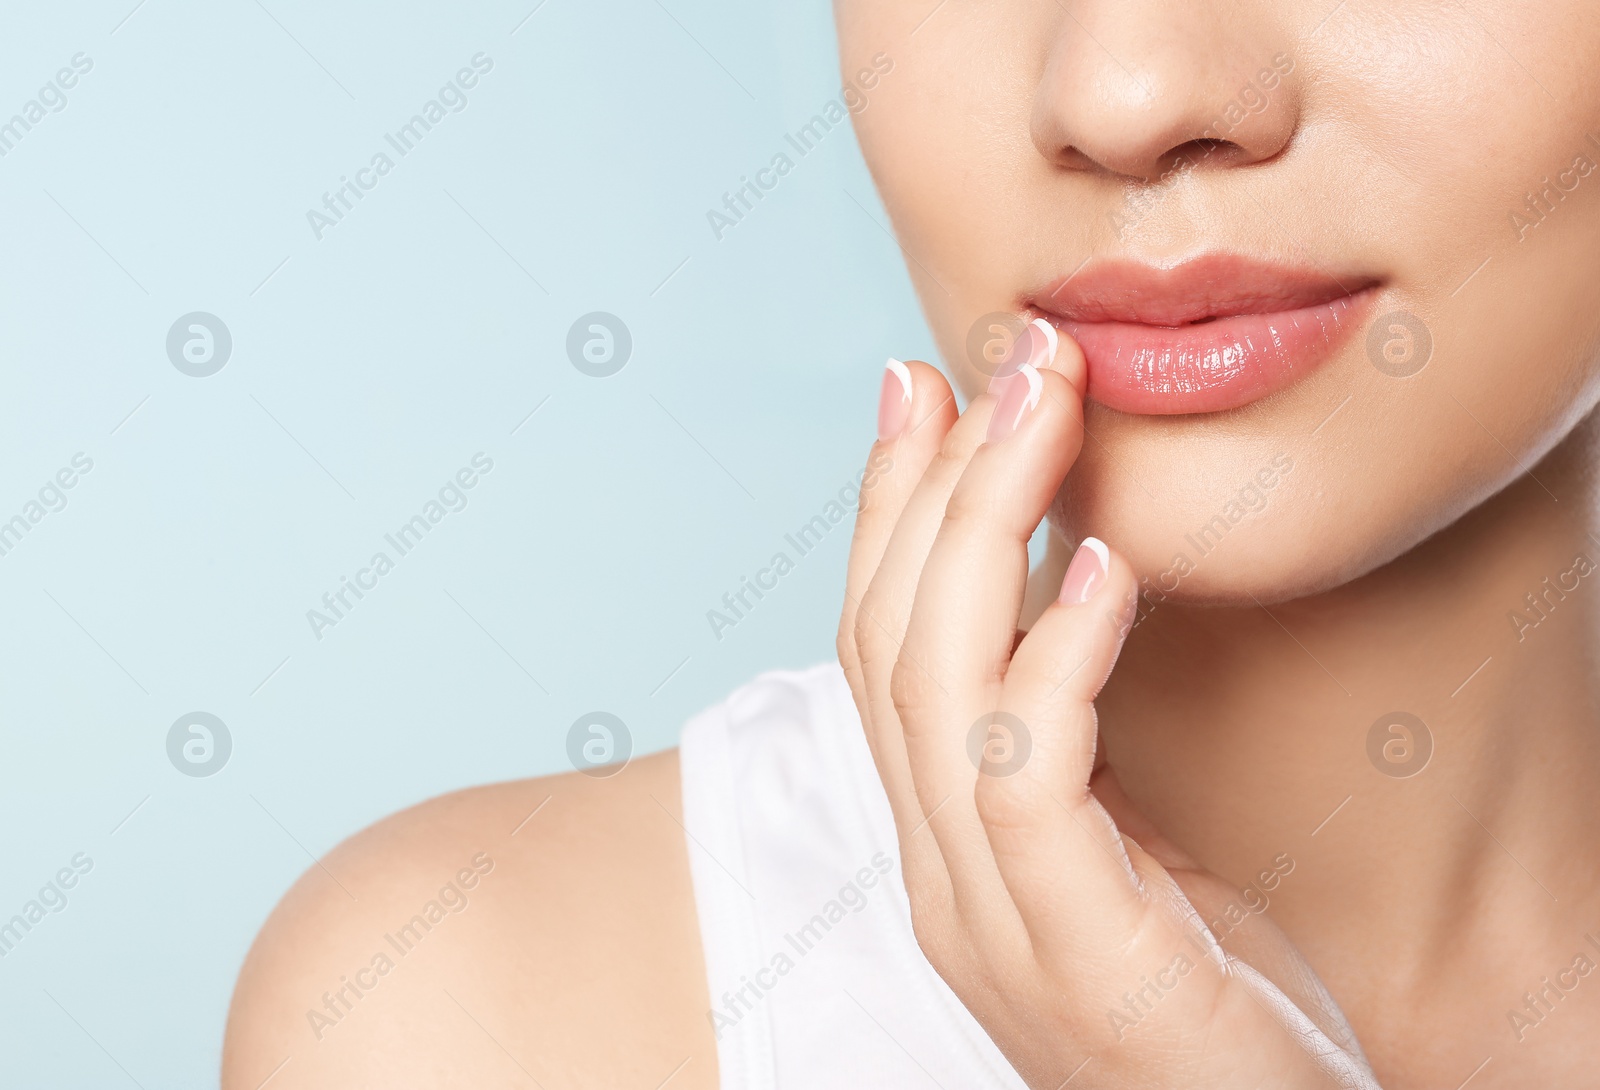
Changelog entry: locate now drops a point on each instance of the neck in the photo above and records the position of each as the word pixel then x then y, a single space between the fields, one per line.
pixel 1243 733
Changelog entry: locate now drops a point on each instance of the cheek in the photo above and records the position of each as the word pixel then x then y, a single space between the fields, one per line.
pixel 945 137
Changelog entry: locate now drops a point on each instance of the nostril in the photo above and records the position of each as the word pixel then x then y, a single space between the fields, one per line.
pixel 1195 152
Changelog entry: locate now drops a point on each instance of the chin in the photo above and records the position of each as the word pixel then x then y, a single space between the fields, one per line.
pixel 1242 520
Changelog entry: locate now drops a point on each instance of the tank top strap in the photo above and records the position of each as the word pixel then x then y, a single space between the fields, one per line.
pixel 813 971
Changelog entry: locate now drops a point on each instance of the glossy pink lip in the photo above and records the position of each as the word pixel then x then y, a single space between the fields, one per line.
pixel 1212 333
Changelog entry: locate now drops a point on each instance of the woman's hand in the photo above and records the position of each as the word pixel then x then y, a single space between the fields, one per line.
pixel 1079 946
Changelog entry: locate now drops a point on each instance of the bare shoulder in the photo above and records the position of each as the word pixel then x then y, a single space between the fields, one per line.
pixel 536 932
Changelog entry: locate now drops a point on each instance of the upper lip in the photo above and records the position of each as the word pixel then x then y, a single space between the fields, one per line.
pixel 1197 290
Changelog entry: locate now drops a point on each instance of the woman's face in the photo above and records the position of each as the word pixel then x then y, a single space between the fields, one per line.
pixel 1260 219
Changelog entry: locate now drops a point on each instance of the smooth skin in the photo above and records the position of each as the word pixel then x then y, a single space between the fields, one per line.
pixel 1011 141
pixel 575 963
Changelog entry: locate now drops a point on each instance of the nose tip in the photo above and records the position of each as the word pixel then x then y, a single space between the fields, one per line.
pixel 1130 91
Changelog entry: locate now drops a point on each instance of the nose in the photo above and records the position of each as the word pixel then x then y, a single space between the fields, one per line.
pixel 1137 87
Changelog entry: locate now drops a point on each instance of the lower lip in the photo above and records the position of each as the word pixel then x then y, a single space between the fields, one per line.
pixel 1210 366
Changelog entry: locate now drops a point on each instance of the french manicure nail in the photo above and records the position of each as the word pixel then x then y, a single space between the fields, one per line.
pixel 1086 573
pixel 1019 394
pixel 1045 342
pixel 1036 345
pixel 894 400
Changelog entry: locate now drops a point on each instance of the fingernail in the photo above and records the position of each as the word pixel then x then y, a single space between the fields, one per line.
pixel 894 400
pixel 1045 342
pixel 1036 346
pixel 1019 393
pixel 1086 573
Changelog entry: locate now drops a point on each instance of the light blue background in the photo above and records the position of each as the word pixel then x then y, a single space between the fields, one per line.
pixel 366 370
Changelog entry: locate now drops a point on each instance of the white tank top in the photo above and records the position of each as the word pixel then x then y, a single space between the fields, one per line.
pixel 815 977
